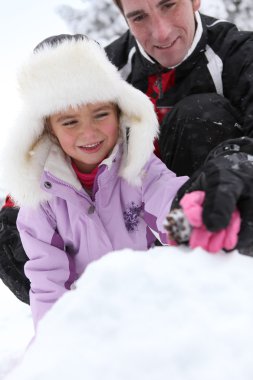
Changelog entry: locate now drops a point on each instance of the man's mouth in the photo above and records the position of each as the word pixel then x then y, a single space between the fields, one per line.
pixel 167 46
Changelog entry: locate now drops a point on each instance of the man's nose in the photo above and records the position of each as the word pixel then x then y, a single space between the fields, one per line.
pixel 161 29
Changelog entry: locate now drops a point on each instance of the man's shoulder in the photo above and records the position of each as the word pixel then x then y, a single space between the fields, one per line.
pixel 220 31
pixel 118 50
pixel 213 23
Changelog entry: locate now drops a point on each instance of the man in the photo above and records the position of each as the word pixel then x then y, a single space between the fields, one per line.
pixel 198 71
pixel 199 75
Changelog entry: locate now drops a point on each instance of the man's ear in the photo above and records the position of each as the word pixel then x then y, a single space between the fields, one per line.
pixel 196 5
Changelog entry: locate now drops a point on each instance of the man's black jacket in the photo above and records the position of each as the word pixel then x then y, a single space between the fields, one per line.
pixel 221 63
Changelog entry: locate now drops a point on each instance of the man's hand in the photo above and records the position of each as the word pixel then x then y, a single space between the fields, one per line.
pixel 229 184
pixel 227 180
pixel 12 255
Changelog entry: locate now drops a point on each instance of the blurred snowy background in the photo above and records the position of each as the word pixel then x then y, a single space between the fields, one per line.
pixel 196 309
pixel 101 20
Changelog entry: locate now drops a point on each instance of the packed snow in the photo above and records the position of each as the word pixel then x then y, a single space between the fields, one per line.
pixel 16 329
pixel 166 313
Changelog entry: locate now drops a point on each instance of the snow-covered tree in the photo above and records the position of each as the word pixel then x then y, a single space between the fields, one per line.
pixel 99 19
pixel 239 12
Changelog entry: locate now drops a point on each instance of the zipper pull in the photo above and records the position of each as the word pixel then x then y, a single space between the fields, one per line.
pixel 159 86
pixel 91 209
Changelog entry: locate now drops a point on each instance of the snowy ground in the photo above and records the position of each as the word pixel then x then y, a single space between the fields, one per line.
pixel 166 313
pixel 16 329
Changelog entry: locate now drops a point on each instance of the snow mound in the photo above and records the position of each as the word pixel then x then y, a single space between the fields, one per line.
pixel 167 314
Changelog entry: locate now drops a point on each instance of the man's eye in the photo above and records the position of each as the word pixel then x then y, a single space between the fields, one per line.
pixel 138 18
pixel 168 5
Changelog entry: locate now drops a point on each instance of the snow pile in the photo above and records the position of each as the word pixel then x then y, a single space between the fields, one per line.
pixel 169 313
pixel 16 329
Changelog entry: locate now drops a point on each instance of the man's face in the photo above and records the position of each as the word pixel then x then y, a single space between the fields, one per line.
pixel 164 28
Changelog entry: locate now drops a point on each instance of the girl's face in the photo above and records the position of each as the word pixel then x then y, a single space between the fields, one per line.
pixel 87 134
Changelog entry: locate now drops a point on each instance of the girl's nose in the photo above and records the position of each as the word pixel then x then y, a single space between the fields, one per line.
pixel 88 128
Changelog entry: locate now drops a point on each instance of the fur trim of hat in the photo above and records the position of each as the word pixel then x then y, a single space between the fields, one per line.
pixel 71 72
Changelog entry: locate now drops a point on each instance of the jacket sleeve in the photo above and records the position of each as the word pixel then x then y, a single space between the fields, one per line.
pixel 237 51
pixel 160 186
pixel 12 254
pixel 48 267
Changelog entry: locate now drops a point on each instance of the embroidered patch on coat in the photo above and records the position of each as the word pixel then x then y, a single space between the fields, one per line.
pixel 131 216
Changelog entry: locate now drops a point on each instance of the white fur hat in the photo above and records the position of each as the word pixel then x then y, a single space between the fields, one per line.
pixel 68 71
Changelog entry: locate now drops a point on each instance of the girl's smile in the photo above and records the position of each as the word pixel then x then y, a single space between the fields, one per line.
pixel 92 147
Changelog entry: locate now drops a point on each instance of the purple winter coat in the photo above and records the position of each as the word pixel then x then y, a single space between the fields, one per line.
pixel 63 235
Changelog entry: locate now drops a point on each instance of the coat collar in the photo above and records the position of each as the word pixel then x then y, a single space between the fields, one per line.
pixel 58 167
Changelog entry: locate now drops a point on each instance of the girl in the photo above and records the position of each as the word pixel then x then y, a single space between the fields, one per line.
pixel 87 181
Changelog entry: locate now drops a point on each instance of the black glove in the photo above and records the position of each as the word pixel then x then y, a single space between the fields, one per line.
pixel 227 179
pixel 12 255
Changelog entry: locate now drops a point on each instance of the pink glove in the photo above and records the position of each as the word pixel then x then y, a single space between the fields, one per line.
pixel 213 242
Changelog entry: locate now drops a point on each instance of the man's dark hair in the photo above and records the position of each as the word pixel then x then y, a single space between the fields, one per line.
pixel 119 5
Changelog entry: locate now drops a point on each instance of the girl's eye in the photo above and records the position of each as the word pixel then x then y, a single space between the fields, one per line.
pixel 101 115
pixel 69 123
